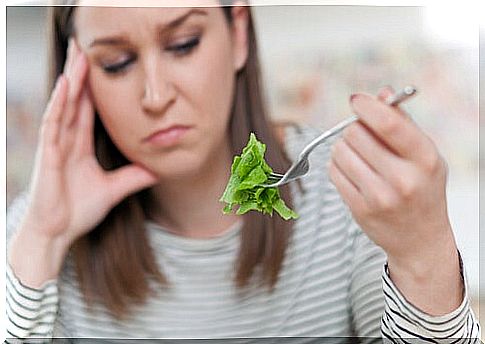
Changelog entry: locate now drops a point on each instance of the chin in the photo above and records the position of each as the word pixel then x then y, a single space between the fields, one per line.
pixel 176 167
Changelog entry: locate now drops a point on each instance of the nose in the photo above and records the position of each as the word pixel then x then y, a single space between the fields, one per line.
pixel 158 90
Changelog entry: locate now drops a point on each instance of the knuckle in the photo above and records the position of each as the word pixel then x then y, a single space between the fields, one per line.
pixel 383 202
pixel 389 126
pixel 407 187
pixel 432 163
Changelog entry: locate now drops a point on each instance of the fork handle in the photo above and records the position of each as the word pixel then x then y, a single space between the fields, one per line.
pixel 327 134
pixel 393 100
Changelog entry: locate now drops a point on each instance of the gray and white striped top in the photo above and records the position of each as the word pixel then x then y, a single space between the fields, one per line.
pixel 333 284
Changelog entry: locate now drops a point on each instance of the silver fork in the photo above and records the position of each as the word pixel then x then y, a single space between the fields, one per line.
pixel 301 166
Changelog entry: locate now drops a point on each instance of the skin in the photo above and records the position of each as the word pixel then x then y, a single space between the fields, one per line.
pixel 162 88
pixel 386 169
pixel 158 90
pixel 393 179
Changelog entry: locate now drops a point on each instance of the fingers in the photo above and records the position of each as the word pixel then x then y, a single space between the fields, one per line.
pixel 52 117
pixel 76 71
pixel 398 132
pixel 350 194
pixel 85 124
pixel 384 93
pixel 65 100
pixel 369 148
pixel 364 178
pixel 69 57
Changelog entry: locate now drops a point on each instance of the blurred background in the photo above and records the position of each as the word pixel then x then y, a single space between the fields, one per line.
pixel 313 59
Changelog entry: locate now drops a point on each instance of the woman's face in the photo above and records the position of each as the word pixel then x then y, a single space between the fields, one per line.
pixel 162 80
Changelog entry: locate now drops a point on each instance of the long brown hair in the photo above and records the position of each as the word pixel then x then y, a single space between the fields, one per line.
pixel 114 262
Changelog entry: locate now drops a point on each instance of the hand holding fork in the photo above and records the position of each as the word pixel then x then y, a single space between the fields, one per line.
pixel 301 166
pixel 393 179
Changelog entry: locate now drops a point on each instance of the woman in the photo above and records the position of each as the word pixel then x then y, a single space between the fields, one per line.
pixel 125 226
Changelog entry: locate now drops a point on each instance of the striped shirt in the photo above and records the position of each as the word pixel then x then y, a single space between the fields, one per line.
pixel 334 283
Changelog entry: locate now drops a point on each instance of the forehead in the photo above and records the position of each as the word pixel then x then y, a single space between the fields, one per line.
pixel 93 21
pixel 150 3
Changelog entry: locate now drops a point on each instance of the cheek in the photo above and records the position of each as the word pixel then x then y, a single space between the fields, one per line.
pixel 211 81
pixel 114 103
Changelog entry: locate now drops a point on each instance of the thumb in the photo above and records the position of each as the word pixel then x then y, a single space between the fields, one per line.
pixel 128 180
pixel 384 93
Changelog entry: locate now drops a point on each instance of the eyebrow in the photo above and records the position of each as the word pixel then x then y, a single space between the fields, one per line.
pixel 118 40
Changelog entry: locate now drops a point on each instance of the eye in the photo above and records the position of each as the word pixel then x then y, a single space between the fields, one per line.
pixel 118 67
pixel 185 47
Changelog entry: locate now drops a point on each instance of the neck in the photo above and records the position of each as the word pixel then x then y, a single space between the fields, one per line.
pixel 190 206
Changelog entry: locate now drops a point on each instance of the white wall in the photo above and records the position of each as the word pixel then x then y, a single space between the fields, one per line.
pixel 26 55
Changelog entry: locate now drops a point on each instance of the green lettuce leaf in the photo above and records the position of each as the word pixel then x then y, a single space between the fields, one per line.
pixel 248 172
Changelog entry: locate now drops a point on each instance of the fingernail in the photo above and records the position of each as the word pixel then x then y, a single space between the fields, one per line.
pixel 352 97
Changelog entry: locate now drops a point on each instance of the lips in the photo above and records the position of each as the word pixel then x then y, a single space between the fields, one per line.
pixel 167 136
